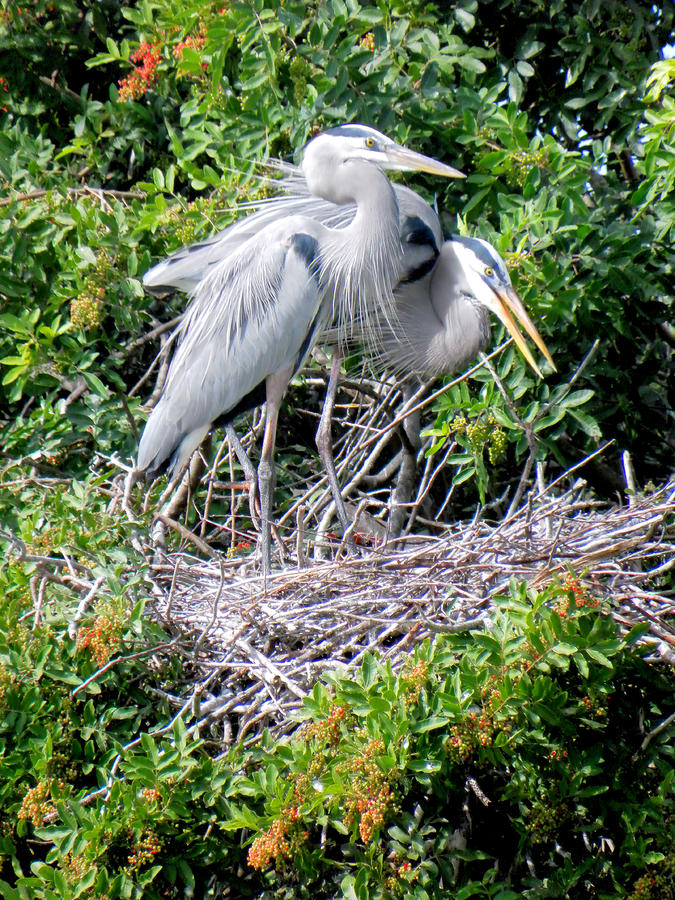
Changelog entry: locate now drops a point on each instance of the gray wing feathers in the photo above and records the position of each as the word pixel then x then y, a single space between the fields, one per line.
pixel 248 319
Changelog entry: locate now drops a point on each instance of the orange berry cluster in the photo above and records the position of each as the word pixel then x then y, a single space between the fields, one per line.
pixel 150 794
pixel 658 882
pixel 75 868
pixel 465 737
pixel 191 42
pixel 593 708
pixel 144 851
pixel 37 803
pixel 371 798
pixel 102 639
pixel 277 843
pixel 368 41
pixel 42 542
pixel 327 731
pixel 400 877
pixel 85 310
pixel 581 596
pixel 143 75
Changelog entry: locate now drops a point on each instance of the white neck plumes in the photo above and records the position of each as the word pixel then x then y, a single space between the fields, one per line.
pixel 359 263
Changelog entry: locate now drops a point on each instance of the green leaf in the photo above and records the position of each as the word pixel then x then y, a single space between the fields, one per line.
pixel 577 398
pixel 598 657
pixel 13 323
pixel 424 765
pixel 471 64
pixel 429 724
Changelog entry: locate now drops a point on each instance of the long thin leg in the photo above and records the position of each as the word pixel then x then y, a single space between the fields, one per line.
pixel 407 473
pixel 324 443
pixel 275 386
pixel 249 471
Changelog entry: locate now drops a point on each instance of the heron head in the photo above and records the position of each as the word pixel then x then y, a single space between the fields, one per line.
pixel 489 283
pixel 347 143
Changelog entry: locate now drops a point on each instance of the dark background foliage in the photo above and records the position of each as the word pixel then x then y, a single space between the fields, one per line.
pixel 131 129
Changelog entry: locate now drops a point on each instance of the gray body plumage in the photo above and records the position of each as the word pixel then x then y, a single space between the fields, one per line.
pixel 216 367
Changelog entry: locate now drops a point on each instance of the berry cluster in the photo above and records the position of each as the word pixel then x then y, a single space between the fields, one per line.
pixel 7 679
pixel 401 876
pixel 414 680
pixel 522 161
pixel 151 795
pixel 472 732
pixel 239 546
pixel 481 433
pixel 102 639
pixel 658 883
pixel 182 225
pixel 327 731
pixel 75 868
pixel 300 72
pixel 279 842
pixel 143 75
pixel 86 310
pixel 575 595
pixel 593 707
pixel 545 818
pixel 145 848
pixel 371 798
pixel 191 42
pixel 37 803
pixel 368 41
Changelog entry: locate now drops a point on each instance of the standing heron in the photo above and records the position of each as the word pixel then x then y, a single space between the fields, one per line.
pixel 254 317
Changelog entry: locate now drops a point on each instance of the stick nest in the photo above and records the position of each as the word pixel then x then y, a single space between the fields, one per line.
pixel 255 650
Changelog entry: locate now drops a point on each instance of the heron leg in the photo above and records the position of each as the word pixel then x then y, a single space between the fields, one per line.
pixel 324 444
pixel 407 473
pixel 249 472
pixel 275 386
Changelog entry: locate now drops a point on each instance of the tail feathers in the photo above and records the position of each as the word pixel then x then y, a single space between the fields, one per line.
pixel 164 445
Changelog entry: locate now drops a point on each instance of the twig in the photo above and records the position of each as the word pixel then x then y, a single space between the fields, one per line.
pixel 82 608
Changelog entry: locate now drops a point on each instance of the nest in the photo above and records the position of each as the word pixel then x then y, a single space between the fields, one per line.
pixel 257 648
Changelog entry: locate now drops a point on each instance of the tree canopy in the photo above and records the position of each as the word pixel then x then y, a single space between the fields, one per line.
pixel 132 129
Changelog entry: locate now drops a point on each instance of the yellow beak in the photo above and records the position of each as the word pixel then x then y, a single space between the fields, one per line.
pixel 509 308
pixel 410 161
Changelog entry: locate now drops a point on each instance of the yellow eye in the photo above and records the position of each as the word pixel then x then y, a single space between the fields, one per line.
pixel 489 272
pixel 370 142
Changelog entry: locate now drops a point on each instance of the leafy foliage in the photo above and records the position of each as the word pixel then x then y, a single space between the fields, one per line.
pixel 542 104
pixel 506 762
pixel 130 129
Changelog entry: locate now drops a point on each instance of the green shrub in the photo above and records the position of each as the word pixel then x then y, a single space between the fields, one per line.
pixel 521 760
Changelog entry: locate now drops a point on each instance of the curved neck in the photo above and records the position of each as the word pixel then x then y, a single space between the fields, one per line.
pixel 441 327
pixel 361 262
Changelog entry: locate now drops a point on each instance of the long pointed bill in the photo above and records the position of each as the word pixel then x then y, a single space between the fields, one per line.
pixel 405 160
pixel 508 306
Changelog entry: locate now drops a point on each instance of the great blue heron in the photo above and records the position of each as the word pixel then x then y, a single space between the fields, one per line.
pixel 254 317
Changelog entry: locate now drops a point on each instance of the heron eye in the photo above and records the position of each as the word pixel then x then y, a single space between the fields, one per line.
pixel 489 272
pixel 370 142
